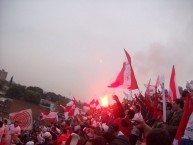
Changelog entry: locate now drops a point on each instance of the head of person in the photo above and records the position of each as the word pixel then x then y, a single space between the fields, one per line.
pixel 16 124
pixel 168 106
pixel 129 114
pixel 136 108
pixel 112 131
pixel 158 136
pixel 1 124
pixel 178 104
pixel 113 128
pixel 160 106
pixel 96 141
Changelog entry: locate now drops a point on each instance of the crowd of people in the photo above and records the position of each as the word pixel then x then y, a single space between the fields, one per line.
pixel 130 122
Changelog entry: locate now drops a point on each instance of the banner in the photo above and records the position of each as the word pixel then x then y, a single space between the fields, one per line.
pixel 24 118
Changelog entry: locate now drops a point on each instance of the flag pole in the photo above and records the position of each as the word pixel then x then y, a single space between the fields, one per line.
pixel 164 99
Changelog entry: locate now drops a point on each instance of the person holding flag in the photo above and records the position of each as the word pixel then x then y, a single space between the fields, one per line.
pixel 184 135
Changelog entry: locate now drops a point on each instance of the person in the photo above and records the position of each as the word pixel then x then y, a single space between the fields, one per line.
pixel 118 110
pixel 135 132
pixel 174 120
pixel 15 131
pixel 168 109
pixel 7 137
pixel 185 130
pixel 116 136
pixel 125 124
pixel 158 136
pixel 95 141
pixel 2 128
pixel 153 136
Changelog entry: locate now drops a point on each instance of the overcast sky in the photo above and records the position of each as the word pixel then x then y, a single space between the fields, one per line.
pixel 75 47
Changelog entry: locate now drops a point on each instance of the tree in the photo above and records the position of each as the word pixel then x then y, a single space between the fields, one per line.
pixel 16 91
pixel 32 96
pixel 35 89
pixel 52 97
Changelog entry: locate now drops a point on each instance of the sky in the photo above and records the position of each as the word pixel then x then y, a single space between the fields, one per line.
pixel 75 48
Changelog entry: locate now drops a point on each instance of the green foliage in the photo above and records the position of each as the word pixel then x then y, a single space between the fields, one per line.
pixel 16 91
pixel 52 97
pixel 32 96
pixel 35 89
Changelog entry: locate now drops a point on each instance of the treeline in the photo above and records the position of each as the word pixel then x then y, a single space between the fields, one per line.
pixel 31 94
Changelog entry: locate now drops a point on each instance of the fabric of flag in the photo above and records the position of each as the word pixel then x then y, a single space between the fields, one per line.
pixel 73 139
pixel 150 89
pixel 49 116
pixel 173 88
pixel 128 95
pixel 24 118
pixel 86 106
pixel 189 85
pixel 126 77
pixel 97 105
pixel 158 82
pixel 70 109
pixel 94 104
pixel 188 109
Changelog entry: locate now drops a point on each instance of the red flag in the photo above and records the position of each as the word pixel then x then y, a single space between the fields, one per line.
pixel 126 77
pixel 173 90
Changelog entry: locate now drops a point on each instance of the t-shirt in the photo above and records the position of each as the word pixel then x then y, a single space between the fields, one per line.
pixel 135 130
pixel 15 130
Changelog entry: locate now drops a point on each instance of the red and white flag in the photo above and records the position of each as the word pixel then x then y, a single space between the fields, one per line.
pixel 86 106
pixel 126 77
pixel 73 139
pixel 97 104
pixel 24 118
pixel 185 126
pixel 94 104
pixel 173 88
pixel 71 109
pixel 150 89
pixel 49 116
pixel 128 95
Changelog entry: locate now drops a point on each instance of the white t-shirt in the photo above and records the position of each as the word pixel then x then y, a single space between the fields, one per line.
pixel 15 130
pixel 135 130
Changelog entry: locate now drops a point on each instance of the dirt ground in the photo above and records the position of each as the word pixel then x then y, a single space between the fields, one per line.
pixel 17 105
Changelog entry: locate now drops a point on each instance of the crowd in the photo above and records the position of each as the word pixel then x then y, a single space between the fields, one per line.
pixel 130 122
